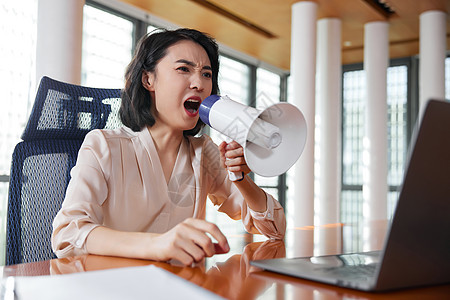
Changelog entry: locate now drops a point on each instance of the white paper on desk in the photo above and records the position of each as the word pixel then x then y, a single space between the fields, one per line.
pixel 148 282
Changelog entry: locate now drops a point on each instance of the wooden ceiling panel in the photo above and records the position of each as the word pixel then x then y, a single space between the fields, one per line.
pixel 274 16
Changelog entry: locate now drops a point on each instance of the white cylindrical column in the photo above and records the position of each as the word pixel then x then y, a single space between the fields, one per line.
pixel 328 239
pixel 376 59
pixel 432 56
pixel 328 121
pixel 59 36
pixel 303 70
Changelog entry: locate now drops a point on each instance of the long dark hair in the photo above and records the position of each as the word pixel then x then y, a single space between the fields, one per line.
pixel 135 110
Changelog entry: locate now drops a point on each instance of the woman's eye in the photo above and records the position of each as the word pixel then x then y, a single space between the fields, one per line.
pixel 184 69
pixel 207 75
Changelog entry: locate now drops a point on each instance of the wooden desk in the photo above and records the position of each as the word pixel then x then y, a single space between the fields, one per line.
pixel 231 276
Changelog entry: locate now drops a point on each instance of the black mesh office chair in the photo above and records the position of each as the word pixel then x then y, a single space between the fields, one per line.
pixel 61 117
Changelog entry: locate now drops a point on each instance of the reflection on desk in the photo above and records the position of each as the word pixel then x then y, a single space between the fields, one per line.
pixel 229 279
pixel 231 276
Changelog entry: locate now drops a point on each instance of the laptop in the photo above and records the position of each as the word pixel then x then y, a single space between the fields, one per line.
pixel 416 250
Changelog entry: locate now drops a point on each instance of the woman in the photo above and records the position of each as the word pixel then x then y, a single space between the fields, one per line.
pixel 140 190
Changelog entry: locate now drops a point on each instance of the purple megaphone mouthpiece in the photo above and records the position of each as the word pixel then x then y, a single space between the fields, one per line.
pixel 205 108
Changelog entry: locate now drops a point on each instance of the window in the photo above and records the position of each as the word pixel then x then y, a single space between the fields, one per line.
pixel 234 79
pixel 447 78
pixel 353 132
pixel 17 75
pixel 397 98
pixel 107 48
pixel 267 93
pixel 352 135
pixel 267 88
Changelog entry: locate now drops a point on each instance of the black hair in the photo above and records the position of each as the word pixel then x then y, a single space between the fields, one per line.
pixel 135 110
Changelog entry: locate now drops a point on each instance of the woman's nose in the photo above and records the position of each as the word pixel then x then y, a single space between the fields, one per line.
pixel 197 82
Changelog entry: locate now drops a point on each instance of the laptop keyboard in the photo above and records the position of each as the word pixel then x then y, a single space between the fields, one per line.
pixel 354 272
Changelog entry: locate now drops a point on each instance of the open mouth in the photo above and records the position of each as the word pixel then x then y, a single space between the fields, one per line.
pixel 192 106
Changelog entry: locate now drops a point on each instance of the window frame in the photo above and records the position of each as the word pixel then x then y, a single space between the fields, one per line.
pixel 412 106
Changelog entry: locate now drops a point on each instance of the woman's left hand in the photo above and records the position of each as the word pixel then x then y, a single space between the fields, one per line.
pixel 232 157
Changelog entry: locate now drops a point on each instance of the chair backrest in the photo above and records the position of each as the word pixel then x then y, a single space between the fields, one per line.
pixel 61 117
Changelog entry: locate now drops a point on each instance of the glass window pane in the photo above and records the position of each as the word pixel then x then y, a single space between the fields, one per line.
pixel 17 73
pixel 267 93
pixel 353 123
pixel 18 30
pixel 447 78
pixel 397 97
pixel 267 88
pixel 397 78
pixel 107 48
pixel 353 132
pixel 351 214
pixel 234 79
pixel 354 87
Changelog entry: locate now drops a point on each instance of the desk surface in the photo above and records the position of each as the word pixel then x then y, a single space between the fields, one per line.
pixel 231 276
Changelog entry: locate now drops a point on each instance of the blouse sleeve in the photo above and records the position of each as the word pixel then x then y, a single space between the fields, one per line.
pixel 81 210
pixel 223 193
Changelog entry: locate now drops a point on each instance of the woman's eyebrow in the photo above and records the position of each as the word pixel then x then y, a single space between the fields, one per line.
pixel 192 64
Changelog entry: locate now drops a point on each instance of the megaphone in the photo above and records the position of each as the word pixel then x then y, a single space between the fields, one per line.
pixel 273 139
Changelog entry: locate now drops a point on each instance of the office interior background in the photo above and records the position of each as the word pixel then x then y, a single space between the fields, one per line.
pixel 111 30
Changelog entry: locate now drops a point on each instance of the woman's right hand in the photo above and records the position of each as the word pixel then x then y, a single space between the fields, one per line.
pixel 188 242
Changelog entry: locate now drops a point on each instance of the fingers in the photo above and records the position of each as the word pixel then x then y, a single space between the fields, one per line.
pixel 237 164
pixel 182 256
pixel 191 251
pixel 233 150
pixel 218 249
pixel 222 146
pixel 203 240
pixel 232 157
pixel 222 151
pixel 189 242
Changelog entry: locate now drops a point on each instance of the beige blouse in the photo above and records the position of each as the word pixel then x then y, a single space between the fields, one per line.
pixel 118 182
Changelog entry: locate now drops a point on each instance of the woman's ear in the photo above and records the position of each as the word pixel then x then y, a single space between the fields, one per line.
pixel 148 81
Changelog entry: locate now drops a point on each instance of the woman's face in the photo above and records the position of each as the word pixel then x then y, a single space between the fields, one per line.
pixel 182 79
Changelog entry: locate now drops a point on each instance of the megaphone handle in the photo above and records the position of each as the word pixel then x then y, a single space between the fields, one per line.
pixel 234 176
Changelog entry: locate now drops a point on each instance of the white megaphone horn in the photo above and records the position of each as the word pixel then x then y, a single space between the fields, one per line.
pixel 273 139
